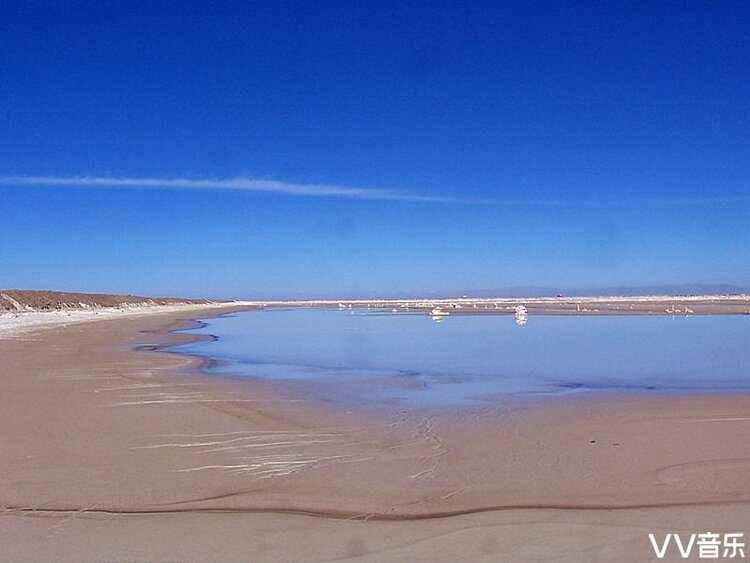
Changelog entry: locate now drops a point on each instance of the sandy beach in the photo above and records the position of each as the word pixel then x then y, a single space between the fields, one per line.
pixel 114 451
pixel 379 282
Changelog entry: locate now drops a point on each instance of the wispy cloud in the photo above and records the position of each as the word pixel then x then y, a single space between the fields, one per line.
pixel 689 201
pixel 233 184
pixel 336 191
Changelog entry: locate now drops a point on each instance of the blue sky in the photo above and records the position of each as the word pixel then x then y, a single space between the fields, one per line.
pixel 276 149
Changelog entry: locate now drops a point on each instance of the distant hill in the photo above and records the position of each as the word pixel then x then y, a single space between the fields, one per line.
pixel 28 300
pixel 676 289
pixel 529 291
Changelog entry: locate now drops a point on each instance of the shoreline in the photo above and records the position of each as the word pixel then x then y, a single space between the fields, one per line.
pixel 19 323
pixel 28 319
pixel 561 305
pixel 133 439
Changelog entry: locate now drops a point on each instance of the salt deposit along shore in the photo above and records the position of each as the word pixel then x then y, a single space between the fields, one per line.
pixel 19 323
pixel 24 318
pixel 561 305
pixel 113 451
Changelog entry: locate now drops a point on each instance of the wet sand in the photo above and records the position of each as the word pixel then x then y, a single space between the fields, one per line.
pixel 121 454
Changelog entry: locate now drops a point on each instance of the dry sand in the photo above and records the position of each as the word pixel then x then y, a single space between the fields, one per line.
pixel 111 453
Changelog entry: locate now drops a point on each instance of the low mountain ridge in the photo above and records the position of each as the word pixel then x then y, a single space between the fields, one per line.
pixel 35 300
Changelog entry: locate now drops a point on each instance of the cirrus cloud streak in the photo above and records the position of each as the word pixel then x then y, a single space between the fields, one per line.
pixel 233 184
pixel 242 183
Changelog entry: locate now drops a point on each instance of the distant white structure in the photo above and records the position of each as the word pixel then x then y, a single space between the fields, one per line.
pixel 675 310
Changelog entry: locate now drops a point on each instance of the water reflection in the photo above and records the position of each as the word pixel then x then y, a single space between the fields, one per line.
pixel 437 314
pixel 522 315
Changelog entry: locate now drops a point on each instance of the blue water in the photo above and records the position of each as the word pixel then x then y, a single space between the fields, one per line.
pixel 408 359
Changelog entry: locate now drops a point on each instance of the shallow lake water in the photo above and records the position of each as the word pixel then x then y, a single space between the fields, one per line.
pixel 408 359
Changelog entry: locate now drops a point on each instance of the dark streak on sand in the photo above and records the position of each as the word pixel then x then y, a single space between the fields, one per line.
pixel 352 515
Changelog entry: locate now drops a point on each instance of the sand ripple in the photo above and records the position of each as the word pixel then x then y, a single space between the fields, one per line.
pixel 728 476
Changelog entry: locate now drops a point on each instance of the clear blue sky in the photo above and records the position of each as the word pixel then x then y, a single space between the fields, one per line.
pixel 355 148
